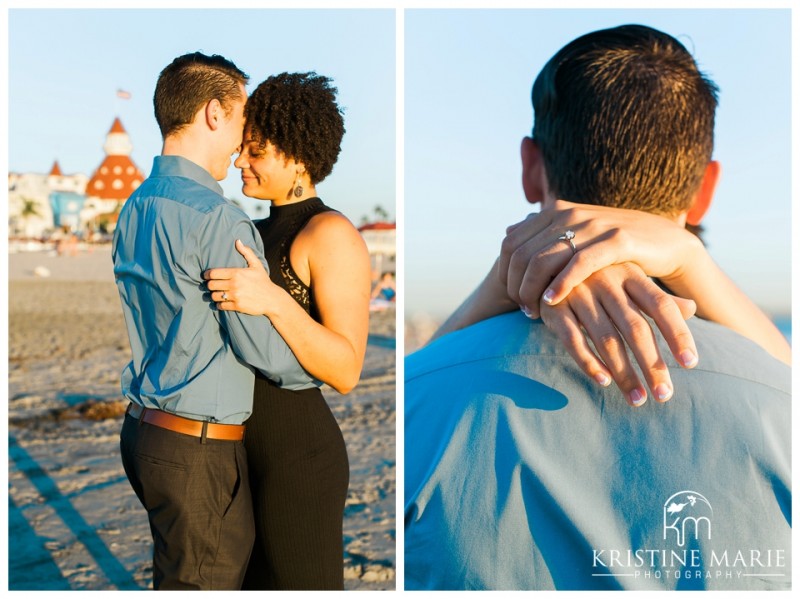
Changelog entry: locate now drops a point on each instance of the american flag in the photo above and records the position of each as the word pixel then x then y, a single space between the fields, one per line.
pixel 121 93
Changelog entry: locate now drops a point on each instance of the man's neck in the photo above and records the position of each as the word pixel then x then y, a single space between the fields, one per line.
pixel 188 145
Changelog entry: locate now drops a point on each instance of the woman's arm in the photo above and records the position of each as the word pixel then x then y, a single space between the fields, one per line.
pixel 533 259
pixel 720 300
pixel 489 299
pixel 331 252
pixel 535 265
pixel 607 308
pixel 531 256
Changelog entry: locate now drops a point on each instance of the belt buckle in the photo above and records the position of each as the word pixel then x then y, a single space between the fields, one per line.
pixel 132 410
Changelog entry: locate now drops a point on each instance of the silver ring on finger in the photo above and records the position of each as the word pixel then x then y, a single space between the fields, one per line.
pixel 567 237
pixel 224 296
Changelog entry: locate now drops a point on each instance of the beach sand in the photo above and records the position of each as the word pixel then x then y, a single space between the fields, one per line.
pixel 74 522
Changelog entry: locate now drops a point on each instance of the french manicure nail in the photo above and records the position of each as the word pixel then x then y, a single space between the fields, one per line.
pixel 525 311
pixel 688 358
pixel 637 397
pixel 548 296
pixel 663 392
pixel 603 379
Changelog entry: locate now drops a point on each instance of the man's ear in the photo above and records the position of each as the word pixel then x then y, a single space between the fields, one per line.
pixel 702 201
pixel 534 182
pixel 214 114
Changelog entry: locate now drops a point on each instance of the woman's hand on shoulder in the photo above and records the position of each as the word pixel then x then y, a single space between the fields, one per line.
pixel 536 264
pixel 610 306
pixel 248 290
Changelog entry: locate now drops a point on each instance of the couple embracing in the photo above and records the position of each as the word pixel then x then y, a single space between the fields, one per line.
pixel 233 322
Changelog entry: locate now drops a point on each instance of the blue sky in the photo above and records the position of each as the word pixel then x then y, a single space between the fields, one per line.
pixel 65 67
pixel 466 87
pixel 467 82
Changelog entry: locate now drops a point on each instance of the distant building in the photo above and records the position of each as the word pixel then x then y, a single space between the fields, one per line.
pixel 381 240
pixel 113 182
pixel 30 212
pixel 67 206
pixel 39 204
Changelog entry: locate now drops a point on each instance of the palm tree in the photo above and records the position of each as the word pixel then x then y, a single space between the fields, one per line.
pixel 30 208
pixel 380 213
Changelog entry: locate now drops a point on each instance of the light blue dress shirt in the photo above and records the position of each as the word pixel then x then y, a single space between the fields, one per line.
pixel 189 358
pixel 522 473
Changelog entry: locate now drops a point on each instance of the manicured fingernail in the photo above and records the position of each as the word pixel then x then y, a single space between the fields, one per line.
pixel 525 311
pixel 548 296
pixel 603 379
pixel 663 392
pixel 638 397
pixel 688 358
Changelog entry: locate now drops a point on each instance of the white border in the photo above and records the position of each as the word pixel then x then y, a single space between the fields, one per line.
pixel 400 6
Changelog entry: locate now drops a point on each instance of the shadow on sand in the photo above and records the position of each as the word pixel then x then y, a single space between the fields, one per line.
pixel 30 561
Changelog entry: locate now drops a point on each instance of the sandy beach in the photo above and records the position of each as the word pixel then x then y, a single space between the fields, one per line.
pixel 74 522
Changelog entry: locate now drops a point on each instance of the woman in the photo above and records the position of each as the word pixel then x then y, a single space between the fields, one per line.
pixel 318 300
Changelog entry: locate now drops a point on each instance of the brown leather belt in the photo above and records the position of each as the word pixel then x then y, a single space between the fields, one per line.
pixel 186 426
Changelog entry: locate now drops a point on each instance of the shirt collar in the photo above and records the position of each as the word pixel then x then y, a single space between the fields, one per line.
pixel 178 166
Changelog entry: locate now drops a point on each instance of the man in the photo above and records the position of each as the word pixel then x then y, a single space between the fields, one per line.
pixel 520 471
pixel 190 382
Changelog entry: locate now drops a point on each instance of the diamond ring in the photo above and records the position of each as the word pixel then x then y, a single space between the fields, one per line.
pixel 568 237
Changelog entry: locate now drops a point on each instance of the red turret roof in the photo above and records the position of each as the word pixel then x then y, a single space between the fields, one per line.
pixel 56 170
pixel 117 127
pixel 115 179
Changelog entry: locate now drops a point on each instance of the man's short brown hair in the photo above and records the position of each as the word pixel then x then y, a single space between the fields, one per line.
pixel 190 82
pixel 624 118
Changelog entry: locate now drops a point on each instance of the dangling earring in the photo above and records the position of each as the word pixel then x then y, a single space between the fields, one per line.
pixel 298 189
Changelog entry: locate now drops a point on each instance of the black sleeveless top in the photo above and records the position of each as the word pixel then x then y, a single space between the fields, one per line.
pixel 278 231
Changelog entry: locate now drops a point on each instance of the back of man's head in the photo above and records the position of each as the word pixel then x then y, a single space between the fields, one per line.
pixel 190 82
pixel 624 118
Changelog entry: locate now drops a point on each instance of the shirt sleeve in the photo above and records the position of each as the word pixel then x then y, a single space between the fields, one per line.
pixel 253 338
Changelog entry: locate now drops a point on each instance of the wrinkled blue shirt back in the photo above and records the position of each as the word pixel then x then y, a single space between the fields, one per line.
pixel 522 473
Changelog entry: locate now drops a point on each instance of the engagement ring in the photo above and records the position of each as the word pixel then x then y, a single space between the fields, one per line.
pixel 568 237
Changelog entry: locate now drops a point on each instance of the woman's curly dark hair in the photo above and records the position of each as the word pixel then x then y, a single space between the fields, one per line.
pixel 298 114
